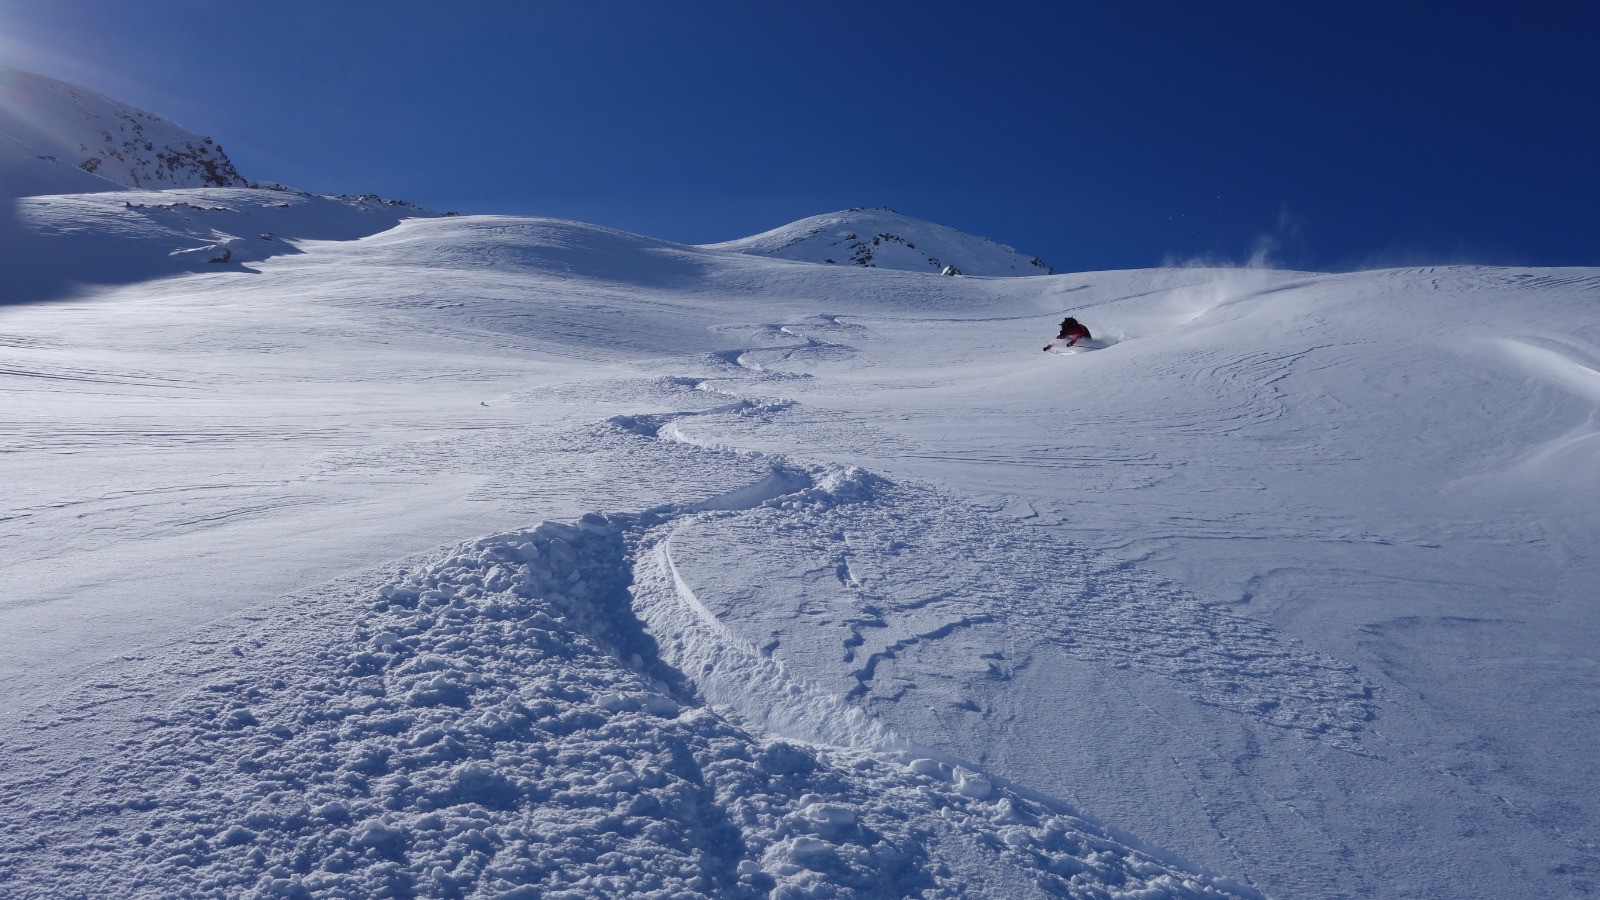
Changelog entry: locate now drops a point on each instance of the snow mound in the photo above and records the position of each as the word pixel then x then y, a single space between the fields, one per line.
pixel 885 239
pixel 125 145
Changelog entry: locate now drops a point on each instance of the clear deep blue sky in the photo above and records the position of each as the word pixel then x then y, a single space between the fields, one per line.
pixel 1097 135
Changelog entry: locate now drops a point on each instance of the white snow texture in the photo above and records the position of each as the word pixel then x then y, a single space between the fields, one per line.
pixel 883 238
pixel 73 127
pixel 415 555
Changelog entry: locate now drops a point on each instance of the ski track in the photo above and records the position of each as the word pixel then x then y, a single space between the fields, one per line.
pixel 499 720
pixel 1109 612
pixel 546 712
pixel 561 710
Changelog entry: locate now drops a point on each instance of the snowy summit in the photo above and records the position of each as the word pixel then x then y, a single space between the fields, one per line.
pixel 49 128
pixel 884 239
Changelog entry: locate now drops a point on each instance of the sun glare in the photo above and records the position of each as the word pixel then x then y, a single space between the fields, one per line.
pixel 29 42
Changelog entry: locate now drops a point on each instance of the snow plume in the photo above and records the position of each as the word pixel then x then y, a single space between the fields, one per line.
pixel 1265 251
pixel 1261 249
pixel 1216 283
pixel 1260 255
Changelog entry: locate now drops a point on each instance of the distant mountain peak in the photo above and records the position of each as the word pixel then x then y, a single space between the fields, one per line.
pixel 880 237
pixel 74 126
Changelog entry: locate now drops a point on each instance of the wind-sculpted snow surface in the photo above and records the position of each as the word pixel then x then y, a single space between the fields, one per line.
pixel 497 723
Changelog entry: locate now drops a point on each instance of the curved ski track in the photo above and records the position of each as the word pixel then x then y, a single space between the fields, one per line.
pixel 559 709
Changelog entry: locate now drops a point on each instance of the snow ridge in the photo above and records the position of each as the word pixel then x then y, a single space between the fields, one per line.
pixel 125 145
pixel 883 238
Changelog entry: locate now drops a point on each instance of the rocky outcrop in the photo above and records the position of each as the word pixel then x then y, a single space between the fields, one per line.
pixel 75 126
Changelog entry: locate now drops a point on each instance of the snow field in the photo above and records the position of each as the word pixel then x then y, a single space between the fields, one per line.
pixel 883 551
pixel 497 723
pixel 61 243
pixel 1293 580
pixel 1197 459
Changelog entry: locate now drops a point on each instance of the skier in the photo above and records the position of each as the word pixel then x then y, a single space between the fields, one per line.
pixel 1072 331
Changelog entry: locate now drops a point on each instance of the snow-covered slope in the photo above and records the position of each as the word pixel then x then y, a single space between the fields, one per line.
pixel 24 172
pixel 885 239
pixel 73 211
pixel 57 243
pixel 547 709
pixel 1293 579
pixel 489 556
pixel 87 130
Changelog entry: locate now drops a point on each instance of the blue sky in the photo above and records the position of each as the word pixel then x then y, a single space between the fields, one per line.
pixel 1096 135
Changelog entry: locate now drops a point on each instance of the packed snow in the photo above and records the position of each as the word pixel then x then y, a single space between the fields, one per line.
pixel 411 555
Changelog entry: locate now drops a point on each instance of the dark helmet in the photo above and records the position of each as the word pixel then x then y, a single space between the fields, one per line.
pixel 1069 321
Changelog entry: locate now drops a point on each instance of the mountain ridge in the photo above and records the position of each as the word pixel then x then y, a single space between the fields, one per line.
pixel 75 126
pixel 883 238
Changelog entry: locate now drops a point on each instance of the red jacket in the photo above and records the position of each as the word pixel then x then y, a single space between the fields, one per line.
pixel 1076 332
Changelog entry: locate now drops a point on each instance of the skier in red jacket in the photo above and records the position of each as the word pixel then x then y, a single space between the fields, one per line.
pixel 1072 331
